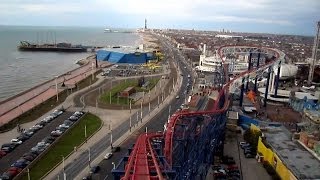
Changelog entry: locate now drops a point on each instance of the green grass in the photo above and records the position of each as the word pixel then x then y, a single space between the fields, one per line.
pixel 105 97
pixel 65 145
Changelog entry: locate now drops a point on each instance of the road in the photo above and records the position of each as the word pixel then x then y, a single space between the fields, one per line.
pixel 154 125
pixel 72 170
pixel 26 146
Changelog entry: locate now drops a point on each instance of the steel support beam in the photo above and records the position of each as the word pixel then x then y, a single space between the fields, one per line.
pixel 267 88
pixel 241 93
pixel 255 83
pixel 277 81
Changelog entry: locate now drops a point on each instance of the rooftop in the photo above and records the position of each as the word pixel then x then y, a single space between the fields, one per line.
pixel 301 162
pixel 124 49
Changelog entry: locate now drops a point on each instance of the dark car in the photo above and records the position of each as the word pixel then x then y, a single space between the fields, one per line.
pixel 8 147
pixel 48 139
pixel 19 165
pixel 249 155
pixel 94 169
pixel 34 155
pixel 6 176
pixel 28 158
pixel 23 137
pixel 115 149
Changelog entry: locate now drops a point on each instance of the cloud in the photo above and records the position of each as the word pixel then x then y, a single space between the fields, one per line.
pixel 166 13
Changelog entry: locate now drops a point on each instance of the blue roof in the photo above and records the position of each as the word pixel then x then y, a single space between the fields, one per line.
pixel 124 57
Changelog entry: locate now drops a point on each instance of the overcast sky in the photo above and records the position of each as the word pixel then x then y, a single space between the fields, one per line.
pixel 270 16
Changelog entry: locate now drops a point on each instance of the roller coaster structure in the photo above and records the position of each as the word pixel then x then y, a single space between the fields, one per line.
pixel 191 139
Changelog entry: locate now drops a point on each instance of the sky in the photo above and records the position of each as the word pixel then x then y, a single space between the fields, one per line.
pixel 262 16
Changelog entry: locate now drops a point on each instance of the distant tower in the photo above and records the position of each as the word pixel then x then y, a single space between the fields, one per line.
pixel 314 53
pixel 145 23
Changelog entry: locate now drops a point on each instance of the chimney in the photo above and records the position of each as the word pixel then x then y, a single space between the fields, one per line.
pixel 204 49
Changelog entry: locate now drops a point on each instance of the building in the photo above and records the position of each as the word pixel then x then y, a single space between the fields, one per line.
pixel 124 55
pixel 127 92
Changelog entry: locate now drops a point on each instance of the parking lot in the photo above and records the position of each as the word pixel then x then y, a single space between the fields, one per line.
pixel 250 168
pixel 126 70
pixel 26 146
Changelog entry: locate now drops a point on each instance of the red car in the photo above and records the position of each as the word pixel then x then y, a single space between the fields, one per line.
pixel 2 153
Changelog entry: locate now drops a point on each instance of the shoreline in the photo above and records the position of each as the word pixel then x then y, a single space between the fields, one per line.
pixel 20 99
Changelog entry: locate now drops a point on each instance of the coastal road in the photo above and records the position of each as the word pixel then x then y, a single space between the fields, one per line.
pixel 73 169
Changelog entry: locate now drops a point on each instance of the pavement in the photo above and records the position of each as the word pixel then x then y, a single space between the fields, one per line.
pixel 23 102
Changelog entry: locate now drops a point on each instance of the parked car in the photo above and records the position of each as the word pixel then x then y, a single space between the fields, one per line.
pixel 64 126
pixel 108 156
pixel 23 137
pixel 19 165
pixel 29 158
pixel 6 176
pixel 48 139
pixel 115 149
pixel 2 153
pixel 249 155
pixel 28 132
pixel 245 145
pixel 94 169
pixel 16 141
pixel 8 147
pixel 56 133
pixel 73 118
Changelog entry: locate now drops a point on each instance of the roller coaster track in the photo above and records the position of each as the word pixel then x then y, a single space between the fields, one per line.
pixel 192 138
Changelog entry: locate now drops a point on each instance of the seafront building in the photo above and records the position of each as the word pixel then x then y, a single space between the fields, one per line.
pixel 124 54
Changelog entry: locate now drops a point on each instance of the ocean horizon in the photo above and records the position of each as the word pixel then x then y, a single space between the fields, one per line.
pixel 20 70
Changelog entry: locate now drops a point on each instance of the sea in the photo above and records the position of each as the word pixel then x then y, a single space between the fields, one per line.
pixel 20 71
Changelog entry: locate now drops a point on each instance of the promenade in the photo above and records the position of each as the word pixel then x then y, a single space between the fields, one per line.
pixel 25 101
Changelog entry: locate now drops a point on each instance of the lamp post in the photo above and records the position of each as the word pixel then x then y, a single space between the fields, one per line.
pixel 57 93
pixel 130 123
pixel 89 157
pixel 28 170
pixel 63 169
pixel 111 138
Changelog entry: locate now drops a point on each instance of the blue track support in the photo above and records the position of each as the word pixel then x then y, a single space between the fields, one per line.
pixel 267 87
pixel 250 57
pixel 255 84
pixel 258 62
pixel 277 81
pixel 241 93
pixel 247 84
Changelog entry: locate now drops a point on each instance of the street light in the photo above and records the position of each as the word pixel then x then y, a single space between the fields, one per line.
pixel 28 170
pixel 63 168
pixel 57 88
pixel 89 157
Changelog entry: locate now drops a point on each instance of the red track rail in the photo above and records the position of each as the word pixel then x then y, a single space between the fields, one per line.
pixel 142 159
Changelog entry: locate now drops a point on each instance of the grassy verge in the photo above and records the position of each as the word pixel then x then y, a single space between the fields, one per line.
pixel 44 107
pixel 74 137
pixel 113 93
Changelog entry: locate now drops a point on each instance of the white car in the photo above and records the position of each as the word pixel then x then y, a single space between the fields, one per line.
pixel 177 97
pixel 16 141
pixel 108 156
pixel 64 126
